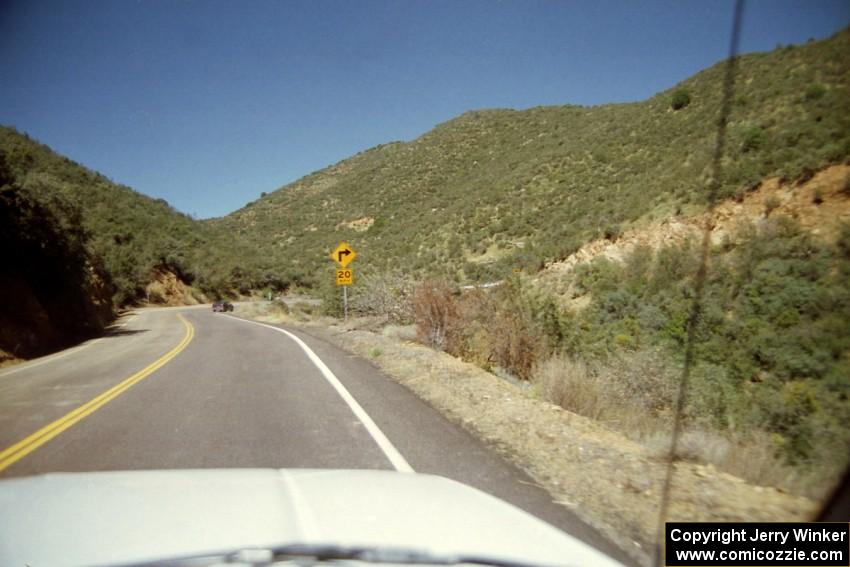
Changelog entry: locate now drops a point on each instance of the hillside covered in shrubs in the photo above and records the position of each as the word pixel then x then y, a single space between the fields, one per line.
pixel 494 190
pixel 76 247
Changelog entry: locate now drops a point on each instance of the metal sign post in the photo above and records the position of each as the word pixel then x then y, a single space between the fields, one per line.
pixel 343 255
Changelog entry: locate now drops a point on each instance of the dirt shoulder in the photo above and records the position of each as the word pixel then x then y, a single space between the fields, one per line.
pixel 612 483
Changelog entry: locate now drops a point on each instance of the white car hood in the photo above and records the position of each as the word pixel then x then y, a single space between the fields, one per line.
pixel 118 517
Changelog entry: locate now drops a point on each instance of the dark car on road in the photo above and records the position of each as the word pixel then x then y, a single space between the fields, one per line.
pixel 222 305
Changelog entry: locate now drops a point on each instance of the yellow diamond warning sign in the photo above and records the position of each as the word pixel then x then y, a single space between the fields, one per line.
pixel 343 254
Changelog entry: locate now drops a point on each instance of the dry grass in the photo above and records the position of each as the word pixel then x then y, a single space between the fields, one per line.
pixel 575 388
pixel 751 456
pixel 405 333
pixel 634 396
pixel 268 312
pixel 697 446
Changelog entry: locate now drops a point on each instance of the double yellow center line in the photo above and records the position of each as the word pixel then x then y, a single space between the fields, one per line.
pixel 22 448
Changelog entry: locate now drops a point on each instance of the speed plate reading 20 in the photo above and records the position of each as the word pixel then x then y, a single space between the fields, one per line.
pixel 344 276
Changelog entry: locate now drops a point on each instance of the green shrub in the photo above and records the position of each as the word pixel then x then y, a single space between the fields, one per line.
pixel 772 312
pixel 771 204
pixel 815 91
pixel 331 297
pixel 612 232
pixel 681 99
pixel 754 139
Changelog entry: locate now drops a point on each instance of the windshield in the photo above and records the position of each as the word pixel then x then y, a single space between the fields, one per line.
pixel 589 259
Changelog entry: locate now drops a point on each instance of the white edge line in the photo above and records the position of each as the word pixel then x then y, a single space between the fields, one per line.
pixel 58 355
pixel 394 456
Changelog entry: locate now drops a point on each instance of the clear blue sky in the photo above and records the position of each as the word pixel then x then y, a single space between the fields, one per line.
pixel 207 103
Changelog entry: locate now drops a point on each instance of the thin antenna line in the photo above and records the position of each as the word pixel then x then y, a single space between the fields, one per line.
pixel 699 282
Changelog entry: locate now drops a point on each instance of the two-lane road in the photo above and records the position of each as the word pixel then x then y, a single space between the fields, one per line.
pixel 187 388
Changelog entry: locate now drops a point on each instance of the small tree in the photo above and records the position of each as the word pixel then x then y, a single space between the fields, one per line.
pixel 681 99
pixel 815 91
pixel 770 205
pixel 754 139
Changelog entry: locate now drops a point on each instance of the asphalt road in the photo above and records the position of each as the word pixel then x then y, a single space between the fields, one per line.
pixel 187 388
